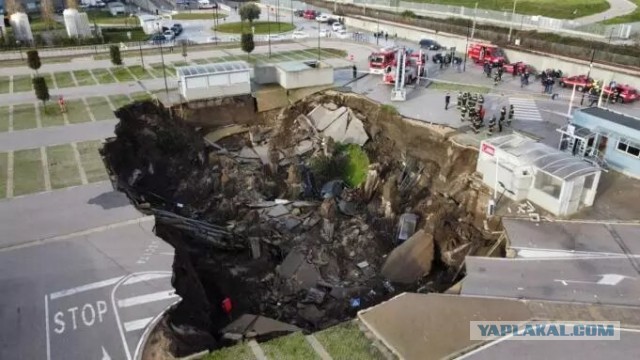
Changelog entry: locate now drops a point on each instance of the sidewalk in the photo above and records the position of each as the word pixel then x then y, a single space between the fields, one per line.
pixel 56 135
pixel 618 8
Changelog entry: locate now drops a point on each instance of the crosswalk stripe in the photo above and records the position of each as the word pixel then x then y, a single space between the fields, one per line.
pixel 145 277
pixel 525 109
pixel 143 299
pixel 137 324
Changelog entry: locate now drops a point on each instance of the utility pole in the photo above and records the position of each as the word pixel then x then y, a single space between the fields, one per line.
pixel 215 24
pixel 141 57
pixel 378 31
pixel 164 70
pixel 475 16
pixel 513 14
pixel 318 42
pixel 269 29
pixel 466 48
pixel 593 55
pixel 278 14
pixel 291 6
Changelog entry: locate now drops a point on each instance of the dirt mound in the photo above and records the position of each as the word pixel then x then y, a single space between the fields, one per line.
pixel 251 222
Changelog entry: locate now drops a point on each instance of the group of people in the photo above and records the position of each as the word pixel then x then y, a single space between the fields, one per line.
pixel 595 91
pixel 497 77
pixel 471 107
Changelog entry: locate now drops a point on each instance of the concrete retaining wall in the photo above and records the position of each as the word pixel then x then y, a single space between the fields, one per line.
pixel 539 61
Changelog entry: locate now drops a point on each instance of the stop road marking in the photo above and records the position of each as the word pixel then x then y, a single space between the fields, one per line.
pixel 89 314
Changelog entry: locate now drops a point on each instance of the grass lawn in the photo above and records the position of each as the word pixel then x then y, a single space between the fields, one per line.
pixel 38 25
pixel 105 17
pixel 290 347
pixel 4 118
pixel 51 116
pixel 24 117
pixel 201 61
pixel 455 88
pixel 103 76
pixel 91 160
pixel 3 175
pixel 197 16
pixel 346 341
pixel 119 100
pixel 84 78
pixel 261 27
pixel 27 172
pixel 141 96
pixel 236 352
pixel 157 70
pixel 4 84
pixel 633 17
pixel 64 79
pixel 139 72
pixel 63 168
pixel 565 9
pixel 122 74
pixel 77 112
pixel 22 83
pixel 100 108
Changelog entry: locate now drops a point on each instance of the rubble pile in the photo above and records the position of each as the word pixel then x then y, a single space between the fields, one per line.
pixel 253 222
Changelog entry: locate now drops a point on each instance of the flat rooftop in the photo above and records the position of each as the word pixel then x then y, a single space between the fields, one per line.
pixel 614 116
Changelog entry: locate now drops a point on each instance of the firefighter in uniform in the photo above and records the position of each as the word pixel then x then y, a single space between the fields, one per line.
pixel 480 99
pixel 459 100
pixel 463 113
pixel 492 124
pixel 510 118
pixel 503 113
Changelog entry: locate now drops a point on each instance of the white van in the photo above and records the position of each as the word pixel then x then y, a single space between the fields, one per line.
pixel 206 4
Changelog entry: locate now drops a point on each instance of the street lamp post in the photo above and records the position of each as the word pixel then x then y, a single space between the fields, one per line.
pixel 269 29
pixel 466 48
pixel 215 24
pixel 291 6
pixel 593 55
pixel 318 41
pixel 378 31
pixel 278 14
pixel 141 57
pixel 164 70
pixel 513 14
pixel 475 17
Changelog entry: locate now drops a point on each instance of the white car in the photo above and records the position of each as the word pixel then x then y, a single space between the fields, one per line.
pixel 342 34
pixel 322 18
pixel 275 37
pixel 323 33
pixel 169 34
pixel 299 35
pixel 336 26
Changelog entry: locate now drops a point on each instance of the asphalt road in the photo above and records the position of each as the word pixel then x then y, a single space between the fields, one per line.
pixel 83 275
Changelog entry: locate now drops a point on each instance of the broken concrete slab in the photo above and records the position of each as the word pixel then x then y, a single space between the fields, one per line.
pixel 303 147
pixel 314 295
pixel 260 325
pixel 290 265
pixel 322 118
pixel 407 226
pixel 411 260
pixel 355 134
pixel 277 211
pixel 224 132
pixel 248 153
pixel 338 128
pixel 263 153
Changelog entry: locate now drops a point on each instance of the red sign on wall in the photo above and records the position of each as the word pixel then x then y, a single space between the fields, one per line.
pixel 488 149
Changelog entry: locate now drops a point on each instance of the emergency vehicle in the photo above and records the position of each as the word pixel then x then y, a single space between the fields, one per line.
pixel 621 93
pixel 382 59
pixel 481 53
pixel 414 67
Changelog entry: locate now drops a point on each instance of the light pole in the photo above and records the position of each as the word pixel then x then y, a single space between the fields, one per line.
pixel 269 29
pixel 278 14
pixel 141 57
pixel 215 24
pixel 318 41
pixel 164 70
pixel 593 55
pixel 291 6
pixel 378 31
pixel 466 48
pixel 513 14
pixel 475 16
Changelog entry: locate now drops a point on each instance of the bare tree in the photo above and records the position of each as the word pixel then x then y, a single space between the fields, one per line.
pixel 72 4
pixel 13 6
pixel 47 11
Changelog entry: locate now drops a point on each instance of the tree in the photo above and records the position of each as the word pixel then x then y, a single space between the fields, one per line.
pixel 33 60
pixel 41 89
pixel 247 44
pixel 47 11
pixel 114 52
pixel 13 6
pixel 249 12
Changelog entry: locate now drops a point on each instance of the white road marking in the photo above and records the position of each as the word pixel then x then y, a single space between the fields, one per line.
pixel 137 324
pixel 46 326
pixel 143 299
pixel 525 109
pixel 145 277
pixel 83 288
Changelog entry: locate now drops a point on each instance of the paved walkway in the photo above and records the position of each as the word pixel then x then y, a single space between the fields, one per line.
pixel 618 8
pixel 56 135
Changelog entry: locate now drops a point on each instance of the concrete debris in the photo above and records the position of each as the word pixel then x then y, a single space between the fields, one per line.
pixel 260 325
pixel 362 264
pixel 410 261
pixel 224 132
pixel 342 125
pixel 314 296
pixel 322 118
pixel 407 226
pixel 255 247
pixel 277 211
pixel 332 189
pixel 338 127
pixel 248 153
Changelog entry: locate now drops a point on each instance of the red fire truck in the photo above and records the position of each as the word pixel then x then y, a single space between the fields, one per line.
pixel 414 67
pixel 481 53
pixel 382 59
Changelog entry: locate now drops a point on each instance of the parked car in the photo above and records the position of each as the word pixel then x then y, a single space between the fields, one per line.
pixel 621 93
pixel 323 33
pixel 310 14
pixel 157 39
pixel 299 35
pixel 336 26
pixel 342 34
pixel 298 13
pixel 322 18
pixel 169 34
pixel 275 37
pixel 429 44
pixel 582 82
pixel 177 29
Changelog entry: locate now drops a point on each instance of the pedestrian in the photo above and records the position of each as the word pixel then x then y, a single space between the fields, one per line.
pixel 496 79
pixel 447 99
pixel 481 114
pixel 593 99
pixel 463 114
pixel 510 118
pixel 386 36
pixel 62 105
pixel 492 124
pixel 515 70
pixel 503 113
pixel 500 126
pixel 459 100
pixel 355 71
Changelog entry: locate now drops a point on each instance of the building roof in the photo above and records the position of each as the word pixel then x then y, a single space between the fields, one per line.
pixel 293 66
pixel 211 69
pixel 573 236
pixel 613 116
pixel 543 157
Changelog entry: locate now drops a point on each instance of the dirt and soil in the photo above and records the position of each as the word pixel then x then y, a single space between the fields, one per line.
pixel 259 233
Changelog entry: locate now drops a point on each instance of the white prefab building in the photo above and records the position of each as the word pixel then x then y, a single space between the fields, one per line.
pixel 523 169
pixel 214 80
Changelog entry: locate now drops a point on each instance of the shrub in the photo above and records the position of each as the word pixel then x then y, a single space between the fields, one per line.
pixel 114 53
pixel 33 60
pixel 41 89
